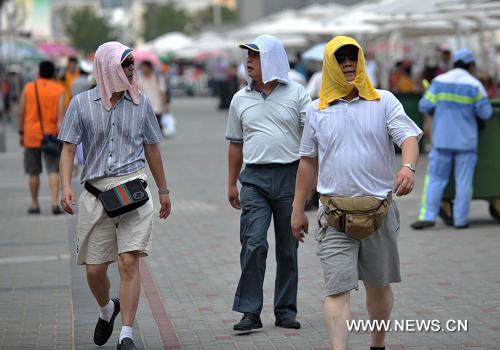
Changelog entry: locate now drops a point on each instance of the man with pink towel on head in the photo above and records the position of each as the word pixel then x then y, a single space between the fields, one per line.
pixel 119 132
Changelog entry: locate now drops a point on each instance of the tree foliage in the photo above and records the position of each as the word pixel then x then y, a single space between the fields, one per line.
pixel 86 30
pixel 160 19
pixel 227 15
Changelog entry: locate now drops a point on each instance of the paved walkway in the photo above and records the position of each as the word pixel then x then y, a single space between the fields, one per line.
pixel 190 278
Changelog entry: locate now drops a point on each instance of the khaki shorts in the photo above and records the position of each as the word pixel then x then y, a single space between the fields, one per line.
pixel 374 260
pixel 101 238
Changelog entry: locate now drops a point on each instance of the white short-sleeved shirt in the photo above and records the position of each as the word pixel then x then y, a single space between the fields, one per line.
pixel 354 144
pixel 269 127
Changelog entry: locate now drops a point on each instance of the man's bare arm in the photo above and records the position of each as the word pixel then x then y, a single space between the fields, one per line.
pixel 235 162
pixel 153 157
pixel 304 183
pixel 68 199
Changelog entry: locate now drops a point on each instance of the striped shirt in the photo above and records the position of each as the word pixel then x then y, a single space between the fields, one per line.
pixel 456 98
pixel 354 144
pixel 113 141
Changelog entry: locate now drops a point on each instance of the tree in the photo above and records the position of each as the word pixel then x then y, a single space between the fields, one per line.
pixel 160 19
pixel 226 14
pixel 86 30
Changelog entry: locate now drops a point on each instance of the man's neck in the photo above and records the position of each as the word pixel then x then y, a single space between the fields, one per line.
pixel 115 97
pixel 352 95
pixel 266 89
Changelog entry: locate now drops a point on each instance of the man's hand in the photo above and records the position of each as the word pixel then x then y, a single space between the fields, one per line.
pixel 300 224
pixel 21 142
pixel 166 206
pixel 404 182
pixel 68 200
pixel 233 196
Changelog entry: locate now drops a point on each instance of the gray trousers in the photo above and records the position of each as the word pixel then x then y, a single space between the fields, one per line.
pixel 267 192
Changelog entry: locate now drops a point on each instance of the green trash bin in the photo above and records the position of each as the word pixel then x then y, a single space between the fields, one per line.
pixel 486 183
pixel 410 104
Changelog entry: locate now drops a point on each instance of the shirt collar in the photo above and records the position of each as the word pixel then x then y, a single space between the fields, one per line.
pixel 96 96
pixel 345 101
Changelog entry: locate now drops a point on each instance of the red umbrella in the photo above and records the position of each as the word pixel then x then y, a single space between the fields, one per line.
pixel 57 50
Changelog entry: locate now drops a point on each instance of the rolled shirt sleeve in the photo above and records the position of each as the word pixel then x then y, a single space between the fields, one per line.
pixel 399 125
pixel 71 130
pixel 234 128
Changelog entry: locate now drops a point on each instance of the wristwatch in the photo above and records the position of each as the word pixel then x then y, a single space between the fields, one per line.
pixel 411 166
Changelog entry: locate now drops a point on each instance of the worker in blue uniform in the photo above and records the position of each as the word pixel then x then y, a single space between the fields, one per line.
pixel 456 99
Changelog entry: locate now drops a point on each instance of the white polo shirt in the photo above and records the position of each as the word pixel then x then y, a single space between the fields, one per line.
pixel 269 127
pixel 354 144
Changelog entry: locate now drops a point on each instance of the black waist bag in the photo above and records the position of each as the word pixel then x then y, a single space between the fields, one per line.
pixel 122 198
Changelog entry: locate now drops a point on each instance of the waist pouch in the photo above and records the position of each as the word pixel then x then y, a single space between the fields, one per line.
pixel 357 217
pixel 122 198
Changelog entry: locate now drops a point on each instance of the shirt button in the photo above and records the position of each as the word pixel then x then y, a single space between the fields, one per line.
pixel 113 123
pixel 110 155
pixel 109 169
pixel 112 139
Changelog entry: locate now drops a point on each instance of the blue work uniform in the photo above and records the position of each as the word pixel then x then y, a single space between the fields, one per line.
pixel 456 99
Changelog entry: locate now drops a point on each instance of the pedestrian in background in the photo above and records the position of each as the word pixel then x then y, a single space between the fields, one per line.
pixel 118 129
pixel 264 128
pixel 154 87
pixel 456 99
pixel 347 146
pixel 69 75
pixel 41 111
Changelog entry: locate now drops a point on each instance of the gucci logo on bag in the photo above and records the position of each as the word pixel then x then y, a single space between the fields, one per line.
pixel 138 195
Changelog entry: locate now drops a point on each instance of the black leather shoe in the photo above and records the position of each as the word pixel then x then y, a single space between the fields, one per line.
pixel 126 344
pixel 294 324
pixel 103 329
pixel 418 225
pixel 248 322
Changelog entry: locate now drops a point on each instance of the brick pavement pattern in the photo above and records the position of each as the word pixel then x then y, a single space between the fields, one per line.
pixel 194 263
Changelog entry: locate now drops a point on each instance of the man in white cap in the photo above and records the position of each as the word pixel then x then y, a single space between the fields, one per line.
pixel 119 132
pixel 264 128
pixel 456 99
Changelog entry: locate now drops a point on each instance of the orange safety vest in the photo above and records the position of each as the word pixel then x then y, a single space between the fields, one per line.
pixel 49 93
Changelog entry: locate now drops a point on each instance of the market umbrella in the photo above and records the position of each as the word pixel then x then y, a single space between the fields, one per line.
pixel 57 50
pixel 315 53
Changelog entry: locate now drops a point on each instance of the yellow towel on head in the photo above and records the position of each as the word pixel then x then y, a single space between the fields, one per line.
pixel 334 85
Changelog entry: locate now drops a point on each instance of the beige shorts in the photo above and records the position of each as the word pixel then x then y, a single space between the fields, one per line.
pixel 101 238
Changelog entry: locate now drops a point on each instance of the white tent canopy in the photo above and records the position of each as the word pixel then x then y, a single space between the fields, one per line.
pixel 169 42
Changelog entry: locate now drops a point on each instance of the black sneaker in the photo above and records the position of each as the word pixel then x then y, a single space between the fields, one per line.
pixel 248 322
pixel 294 324
pixel 126 344
pixel 460 227
pixel 34 210
pixel 56 210
pixel 103 329
pixel 418 225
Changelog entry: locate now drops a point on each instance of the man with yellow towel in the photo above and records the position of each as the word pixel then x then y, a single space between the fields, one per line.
pixel 347 145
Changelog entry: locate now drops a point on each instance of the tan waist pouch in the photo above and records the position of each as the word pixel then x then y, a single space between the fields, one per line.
pixel 357 217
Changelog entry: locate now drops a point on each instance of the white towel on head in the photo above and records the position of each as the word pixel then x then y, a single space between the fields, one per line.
pixel 273 60
pixel 109 73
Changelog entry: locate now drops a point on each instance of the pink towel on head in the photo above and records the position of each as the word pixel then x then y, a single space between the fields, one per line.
pixel 109 73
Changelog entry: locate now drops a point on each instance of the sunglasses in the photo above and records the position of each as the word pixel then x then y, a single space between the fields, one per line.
pixel 353 57
pixel 128 63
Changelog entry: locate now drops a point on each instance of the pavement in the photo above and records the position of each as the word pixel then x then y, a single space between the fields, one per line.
pixel 190 277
